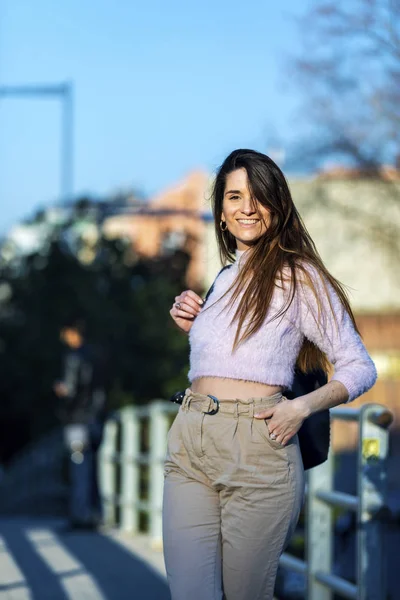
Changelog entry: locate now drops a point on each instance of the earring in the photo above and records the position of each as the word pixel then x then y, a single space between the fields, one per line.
pixel 221 224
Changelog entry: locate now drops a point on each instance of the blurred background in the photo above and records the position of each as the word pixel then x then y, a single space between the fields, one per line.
pixel 113 119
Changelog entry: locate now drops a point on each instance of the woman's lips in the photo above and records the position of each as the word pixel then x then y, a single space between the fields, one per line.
pixel 247 223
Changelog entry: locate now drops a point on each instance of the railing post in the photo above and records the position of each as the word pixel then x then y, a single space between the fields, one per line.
pixel 158 435
pixel 130 450
pixel 319 530
pixel 372 492
pixel 107 472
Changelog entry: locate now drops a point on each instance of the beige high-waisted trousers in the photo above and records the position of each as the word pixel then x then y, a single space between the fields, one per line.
pixel 232 498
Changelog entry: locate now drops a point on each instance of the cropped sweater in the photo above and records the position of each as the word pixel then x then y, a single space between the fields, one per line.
pixel 269 355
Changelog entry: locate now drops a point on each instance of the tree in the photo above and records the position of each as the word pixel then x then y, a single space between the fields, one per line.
pixel 125 300
pixel 349 73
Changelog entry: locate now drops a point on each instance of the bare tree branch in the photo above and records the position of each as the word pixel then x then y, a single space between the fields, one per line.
pixel 349 71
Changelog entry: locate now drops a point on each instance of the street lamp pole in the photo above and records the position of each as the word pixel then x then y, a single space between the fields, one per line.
pixel 64 92
pixel 67 144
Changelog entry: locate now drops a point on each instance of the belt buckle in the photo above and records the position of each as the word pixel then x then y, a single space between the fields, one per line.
pixel 178 397
pixel 214 410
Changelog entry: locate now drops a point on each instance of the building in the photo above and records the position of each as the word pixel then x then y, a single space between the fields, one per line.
pixel 173 219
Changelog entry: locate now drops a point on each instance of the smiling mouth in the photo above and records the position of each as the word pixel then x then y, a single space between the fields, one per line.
pixel 247 221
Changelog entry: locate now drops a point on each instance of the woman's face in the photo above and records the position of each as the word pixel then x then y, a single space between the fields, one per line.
pixel 246 219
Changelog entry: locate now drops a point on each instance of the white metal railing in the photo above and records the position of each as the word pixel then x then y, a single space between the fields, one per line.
pixel 370 505
pixel 120 466
pixel 121 461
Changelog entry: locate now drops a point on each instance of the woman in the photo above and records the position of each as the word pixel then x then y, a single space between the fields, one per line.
pixel 234 479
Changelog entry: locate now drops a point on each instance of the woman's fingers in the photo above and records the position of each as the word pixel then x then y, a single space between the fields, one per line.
pixel 185 309
pixel 182 309
pixel 284 438
pixel 190 298
pixel 189 303
pixel 265 414
pixel 181 313
pixel 193 296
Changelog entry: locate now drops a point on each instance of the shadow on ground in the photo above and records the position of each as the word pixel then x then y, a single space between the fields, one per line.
pixel 40 561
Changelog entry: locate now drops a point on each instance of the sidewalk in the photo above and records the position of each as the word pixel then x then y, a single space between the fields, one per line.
pixel 40 562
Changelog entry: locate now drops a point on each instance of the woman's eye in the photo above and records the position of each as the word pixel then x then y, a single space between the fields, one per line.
pixel 234 197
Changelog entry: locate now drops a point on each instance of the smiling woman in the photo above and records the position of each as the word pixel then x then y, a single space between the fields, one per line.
pixel 234 477
pixel 242 215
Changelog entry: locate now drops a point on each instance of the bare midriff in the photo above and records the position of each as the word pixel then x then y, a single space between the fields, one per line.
pixel 232 388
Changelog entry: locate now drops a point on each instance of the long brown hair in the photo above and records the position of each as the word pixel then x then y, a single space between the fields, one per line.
pixel 286 247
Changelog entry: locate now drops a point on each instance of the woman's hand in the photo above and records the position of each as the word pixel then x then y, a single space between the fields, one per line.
pixel 185 309
pixel 284 419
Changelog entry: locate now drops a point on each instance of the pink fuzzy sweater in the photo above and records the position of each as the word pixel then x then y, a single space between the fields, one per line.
pixel 269 356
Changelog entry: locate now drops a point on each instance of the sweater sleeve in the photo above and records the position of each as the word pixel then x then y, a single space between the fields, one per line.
pixel 331 330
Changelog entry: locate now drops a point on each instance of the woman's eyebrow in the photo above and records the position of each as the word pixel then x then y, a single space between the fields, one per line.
pixel 233 192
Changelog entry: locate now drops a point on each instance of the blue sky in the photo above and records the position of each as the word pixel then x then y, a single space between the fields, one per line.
pixel 161 88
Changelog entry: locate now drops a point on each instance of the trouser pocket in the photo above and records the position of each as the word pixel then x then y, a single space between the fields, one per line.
pixel 192 432
pixel 261 434
pixel 260 429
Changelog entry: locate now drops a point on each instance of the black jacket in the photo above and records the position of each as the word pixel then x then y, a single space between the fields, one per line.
pixel 82 374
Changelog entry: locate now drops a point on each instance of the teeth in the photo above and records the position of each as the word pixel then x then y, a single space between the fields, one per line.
pixel 248 221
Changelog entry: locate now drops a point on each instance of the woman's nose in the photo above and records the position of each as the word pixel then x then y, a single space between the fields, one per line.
pixel 248 207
